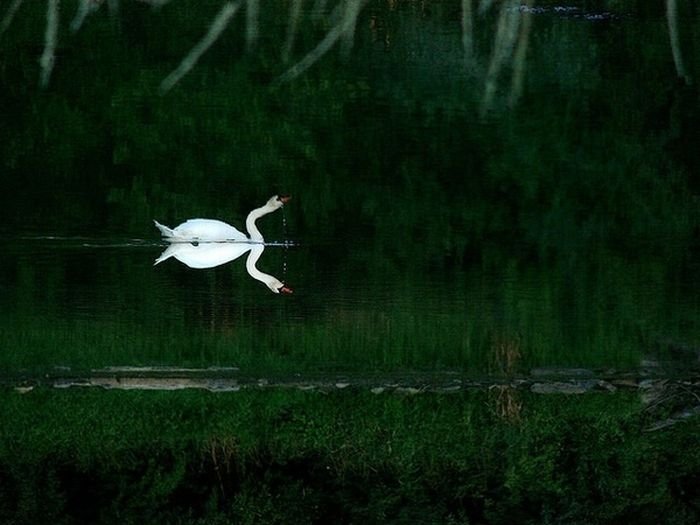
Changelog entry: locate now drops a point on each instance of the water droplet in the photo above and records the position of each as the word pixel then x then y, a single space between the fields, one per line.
pixel 286 245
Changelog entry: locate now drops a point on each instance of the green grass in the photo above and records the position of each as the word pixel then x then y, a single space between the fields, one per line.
pixel 293 457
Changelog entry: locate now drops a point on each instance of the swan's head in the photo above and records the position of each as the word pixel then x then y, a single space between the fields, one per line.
pixel 278 201
pixel 279 287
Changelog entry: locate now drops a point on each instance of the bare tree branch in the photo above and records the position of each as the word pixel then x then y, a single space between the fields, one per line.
pixel 674 33
pixel 48 57
pixel 85 8
pixel 218 25
pixel 292 28
pixel 252 21
pixel 352 11
pixel 9 15
pixel 346 24
pixel 468 33
pixel 518 79
pixel 506 33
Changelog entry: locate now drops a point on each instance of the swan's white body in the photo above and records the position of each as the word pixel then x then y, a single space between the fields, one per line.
pixel 212 230
pixel 206 243
pixel 202 230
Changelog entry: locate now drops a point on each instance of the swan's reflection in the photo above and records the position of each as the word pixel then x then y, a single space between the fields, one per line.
pixel 210 254
pixel 205 254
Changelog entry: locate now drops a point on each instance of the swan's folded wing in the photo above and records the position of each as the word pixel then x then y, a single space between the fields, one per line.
pixel 208 230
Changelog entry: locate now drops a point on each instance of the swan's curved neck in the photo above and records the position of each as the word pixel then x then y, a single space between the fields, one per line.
pixel 255 253
pixel 250 225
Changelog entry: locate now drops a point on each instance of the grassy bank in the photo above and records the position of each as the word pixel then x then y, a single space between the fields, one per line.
pixel 293 457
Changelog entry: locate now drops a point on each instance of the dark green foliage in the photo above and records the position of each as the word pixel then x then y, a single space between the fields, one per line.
pixel 574 169
pixel 275 457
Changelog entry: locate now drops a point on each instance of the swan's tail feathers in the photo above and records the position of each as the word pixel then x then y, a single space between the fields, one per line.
pixel 163 256
pixel 167 232
pixel 167 254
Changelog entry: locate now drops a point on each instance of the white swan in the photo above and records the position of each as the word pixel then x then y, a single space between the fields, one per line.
pixel 211 230
pixel 206 243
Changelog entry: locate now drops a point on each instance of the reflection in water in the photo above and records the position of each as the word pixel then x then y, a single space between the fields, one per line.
pixel 206 243
pixel 206 254
pixel 210 254
pixel 271 282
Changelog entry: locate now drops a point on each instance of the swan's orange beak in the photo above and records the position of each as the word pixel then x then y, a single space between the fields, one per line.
pixel 284 199
pixel 286 289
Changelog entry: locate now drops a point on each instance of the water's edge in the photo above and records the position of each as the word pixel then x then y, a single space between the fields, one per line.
pixel 230 379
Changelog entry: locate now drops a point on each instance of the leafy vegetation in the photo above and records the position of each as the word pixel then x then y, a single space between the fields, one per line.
pixel 293 457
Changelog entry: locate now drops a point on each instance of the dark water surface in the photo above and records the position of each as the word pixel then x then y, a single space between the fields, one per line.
pixel 91 302
pixel 453 209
